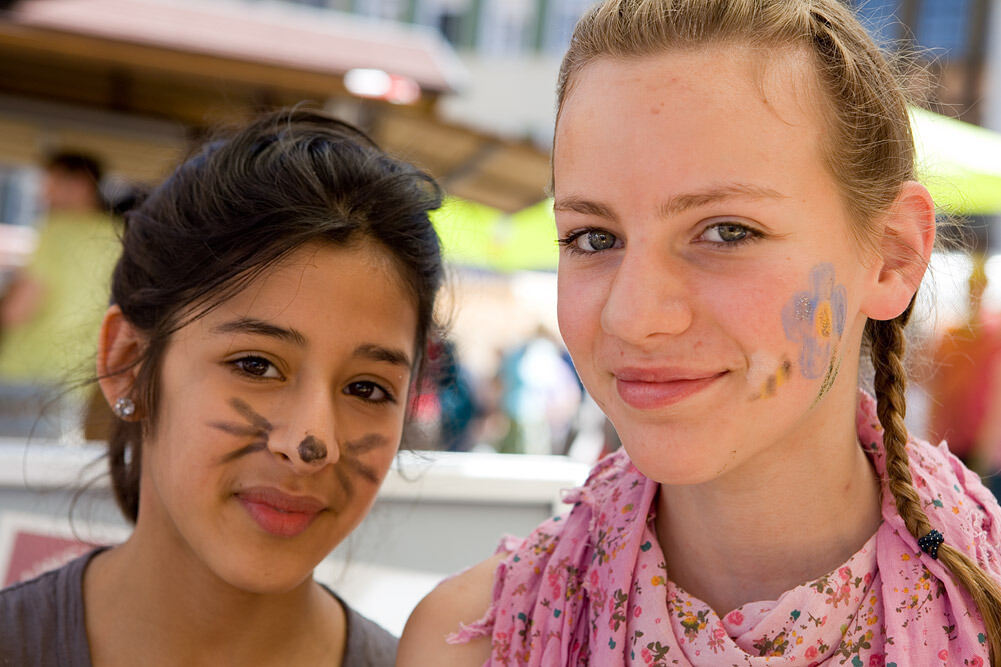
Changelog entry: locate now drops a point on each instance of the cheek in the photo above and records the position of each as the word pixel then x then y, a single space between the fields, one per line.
pixel 183 452
pixel 750 309
pixel 578 309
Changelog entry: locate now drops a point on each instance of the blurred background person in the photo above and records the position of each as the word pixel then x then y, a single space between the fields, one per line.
pixel 965 387
pixel 541 395
pixel 51 311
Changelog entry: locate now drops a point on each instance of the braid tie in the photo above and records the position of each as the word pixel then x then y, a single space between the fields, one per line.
pixel 890 382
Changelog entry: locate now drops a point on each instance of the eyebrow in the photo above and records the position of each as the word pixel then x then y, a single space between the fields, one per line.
pixel 368 351
pixel 583 206
pixel 683 202
pixel 677 203
pixel 250 325
pixel 379 353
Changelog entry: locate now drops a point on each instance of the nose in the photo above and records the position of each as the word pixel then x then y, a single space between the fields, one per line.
pixel 648 299
pixel 307 440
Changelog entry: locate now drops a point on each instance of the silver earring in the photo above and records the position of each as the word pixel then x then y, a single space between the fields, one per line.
pixel 124 408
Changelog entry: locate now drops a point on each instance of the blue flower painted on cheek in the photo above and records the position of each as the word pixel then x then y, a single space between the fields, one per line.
pixel 815 318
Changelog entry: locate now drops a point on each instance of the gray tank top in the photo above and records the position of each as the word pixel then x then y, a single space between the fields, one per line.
pixel 42 623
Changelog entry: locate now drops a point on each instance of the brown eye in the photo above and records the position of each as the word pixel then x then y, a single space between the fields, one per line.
pixel 369 391
pixel 256 367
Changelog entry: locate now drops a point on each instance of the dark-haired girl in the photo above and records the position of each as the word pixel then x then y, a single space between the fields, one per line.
pixel 270 309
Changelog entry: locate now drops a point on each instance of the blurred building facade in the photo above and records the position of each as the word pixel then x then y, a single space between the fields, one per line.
pixel 951 37
pixel 512 49
pixel 134 81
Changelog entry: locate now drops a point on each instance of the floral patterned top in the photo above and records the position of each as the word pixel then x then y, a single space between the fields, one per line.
pixel 592 587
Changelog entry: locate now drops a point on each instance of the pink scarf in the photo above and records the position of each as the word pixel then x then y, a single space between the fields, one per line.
pixel 592 587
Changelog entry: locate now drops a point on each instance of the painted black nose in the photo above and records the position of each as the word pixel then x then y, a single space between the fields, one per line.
pixel 312 449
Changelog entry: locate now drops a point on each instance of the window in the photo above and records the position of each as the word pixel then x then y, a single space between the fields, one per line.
pixel 507 27
pixel 560 18
pixel 18 195
pixel 392 10
pixel 453 18
pixel 943 25
pixel 939 25
pixel 880 18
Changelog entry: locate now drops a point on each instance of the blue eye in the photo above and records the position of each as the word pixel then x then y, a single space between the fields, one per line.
pixel 590 241
pixel 255 366
pixel 369 391
pixel 729 234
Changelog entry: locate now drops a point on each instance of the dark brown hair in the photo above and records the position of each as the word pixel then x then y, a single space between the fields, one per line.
pixel 243 202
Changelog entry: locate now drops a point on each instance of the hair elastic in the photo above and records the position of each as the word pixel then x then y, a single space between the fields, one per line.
pixel 930 543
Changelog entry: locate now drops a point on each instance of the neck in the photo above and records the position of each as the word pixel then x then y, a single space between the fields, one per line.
pixel 774 523
pixel 160 600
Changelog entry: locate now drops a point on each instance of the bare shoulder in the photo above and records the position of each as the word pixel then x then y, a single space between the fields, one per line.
pixel 463 598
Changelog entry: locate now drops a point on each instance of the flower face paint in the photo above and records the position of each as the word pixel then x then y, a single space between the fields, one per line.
pixel 815 318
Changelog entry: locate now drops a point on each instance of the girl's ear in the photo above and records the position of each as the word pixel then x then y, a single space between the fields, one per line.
pixel 118 349
pixel 908 235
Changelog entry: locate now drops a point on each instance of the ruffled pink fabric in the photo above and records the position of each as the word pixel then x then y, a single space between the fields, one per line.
pixel 592 588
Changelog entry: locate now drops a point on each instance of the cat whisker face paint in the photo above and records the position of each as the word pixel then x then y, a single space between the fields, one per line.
pixel 365 443
pixel 250 415
pixel 348 465
pixel 364 471
pixel 257 427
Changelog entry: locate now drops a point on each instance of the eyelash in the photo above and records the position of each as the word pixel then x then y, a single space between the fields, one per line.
pixel 570 240
pixel 751 236
pixel 368 384
pixel 360 386
pixel 238 367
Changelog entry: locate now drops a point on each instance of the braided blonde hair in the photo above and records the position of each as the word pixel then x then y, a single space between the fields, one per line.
pixel 869 151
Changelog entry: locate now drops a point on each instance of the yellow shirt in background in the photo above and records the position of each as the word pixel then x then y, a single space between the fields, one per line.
pixel 75 257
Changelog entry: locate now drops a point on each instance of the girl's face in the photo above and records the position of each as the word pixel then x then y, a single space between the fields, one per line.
pixel 709 285
pixel 280 412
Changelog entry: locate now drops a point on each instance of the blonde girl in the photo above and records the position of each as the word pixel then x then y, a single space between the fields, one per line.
pixel 740 222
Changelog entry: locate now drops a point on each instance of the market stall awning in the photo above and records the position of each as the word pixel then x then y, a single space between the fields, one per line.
pixel 274 45
pixel 200 64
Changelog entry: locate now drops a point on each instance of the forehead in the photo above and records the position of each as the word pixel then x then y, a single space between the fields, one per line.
pixel 326 291
pixel 722 109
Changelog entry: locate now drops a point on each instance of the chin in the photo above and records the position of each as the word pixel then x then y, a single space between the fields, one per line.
pixel 676 457
pixel 274 578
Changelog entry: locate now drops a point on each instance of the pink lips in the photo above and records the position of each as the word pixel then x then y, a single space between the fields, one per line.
pixel 279 513
pixel 652 388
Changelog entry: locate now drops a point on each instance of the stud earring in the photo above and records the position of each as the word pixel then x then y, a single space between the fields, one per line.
pixel 124 408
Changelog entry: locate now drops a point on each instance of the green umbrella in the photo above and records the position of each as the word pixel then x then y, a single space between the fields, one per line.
pixel 483 237
pixel 959 163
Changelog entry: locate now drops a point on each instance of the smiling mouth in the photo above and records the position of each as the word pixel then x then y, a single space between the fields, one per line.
pixel 280 514
pixel 654 394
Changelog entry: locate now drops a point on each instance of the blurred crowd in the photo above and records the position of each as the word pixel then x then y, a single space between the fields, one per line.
pixel 52 299
pixel 53 295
